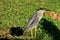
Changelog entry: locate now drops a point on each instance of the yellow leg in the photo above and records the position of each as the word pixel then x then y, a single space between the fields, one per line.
pixel 35 31
pixel 31 33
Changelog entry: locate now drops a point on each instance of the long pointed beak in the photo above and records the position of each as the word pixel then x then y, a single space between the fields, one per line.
pixel 48 10
pixel 45 9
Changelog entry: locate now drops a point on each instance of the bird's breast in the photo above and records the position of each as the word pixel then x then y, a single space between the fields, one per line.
pixel 40 16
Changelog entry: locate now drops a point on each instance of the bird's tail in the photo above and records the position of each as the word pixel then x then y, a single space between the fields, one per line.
pixel 27 29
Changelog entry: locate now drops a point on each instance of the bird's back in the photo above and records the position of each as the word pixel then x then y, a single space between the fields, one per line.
pixel 34 20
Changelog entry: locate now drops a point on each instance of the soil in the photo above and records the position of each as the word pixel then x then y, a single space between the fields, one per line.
pixel 54 15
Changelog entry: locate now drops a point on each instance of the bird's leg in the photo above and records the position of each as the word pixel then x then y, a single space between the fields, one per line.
pixel 35 31
pixel 31 33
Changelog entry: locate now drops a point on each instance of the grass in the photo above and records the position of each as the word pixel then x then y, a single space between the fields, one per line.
pixel 15 13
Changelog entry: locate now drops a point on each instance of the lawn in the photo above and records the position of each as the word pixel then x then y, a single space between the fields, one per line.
pixel 14 13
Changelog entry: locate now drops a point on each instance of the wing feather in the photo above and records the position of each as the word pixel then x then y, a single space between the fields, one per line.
pixel 32 18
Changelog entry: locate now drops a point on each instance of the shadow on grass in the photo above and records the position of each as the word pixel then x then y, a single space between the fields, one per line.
pixel 11 39
pixel 4 39
pixel 17 31
pixel 51 29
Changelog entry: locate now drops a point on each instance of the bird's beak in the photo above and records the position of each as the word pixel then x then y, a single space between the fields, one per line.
pixel 45 9
pixel 48 10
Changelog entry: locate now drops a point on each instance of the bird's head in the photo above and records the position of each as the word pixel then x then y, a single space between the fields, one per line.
pixel 43 10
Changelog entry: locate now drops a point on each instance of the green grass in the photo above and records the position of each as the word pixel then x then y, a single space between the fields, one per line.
pixel 15 13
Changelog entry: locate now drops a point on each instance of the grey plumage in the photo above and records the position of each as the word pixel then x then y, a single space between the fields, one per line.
pixel 34 20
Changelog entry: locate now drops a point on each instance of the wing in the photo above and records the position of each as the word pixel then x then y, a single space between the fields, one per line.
pixel 31 19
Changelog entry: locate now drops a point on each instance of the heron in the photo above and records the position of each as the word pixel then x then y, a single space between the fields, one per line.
pixel 34 21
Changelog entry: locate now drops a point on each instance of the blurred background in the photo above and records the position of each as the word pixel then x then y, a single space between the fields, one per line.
pixel 16 13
